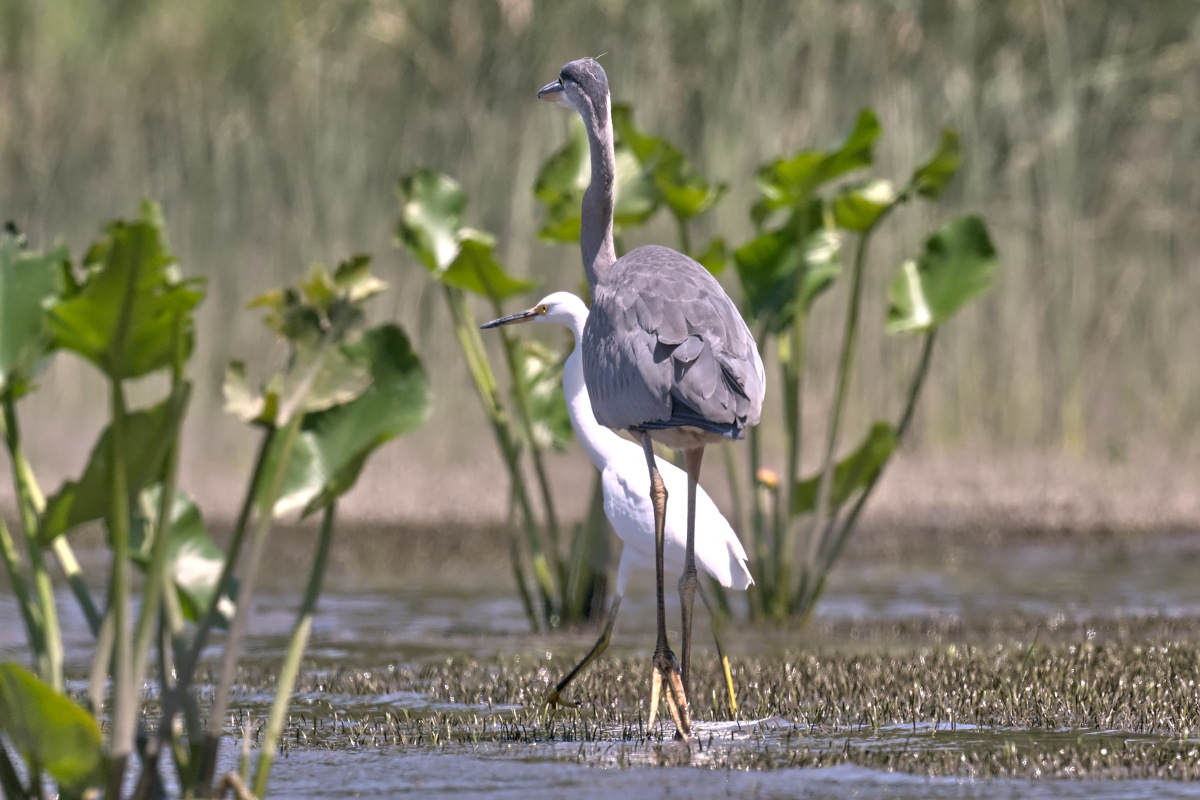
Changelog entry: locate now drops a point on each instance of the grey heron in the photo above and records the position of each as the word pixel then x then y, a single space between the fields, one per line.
pixel 666 355
pixel 626 487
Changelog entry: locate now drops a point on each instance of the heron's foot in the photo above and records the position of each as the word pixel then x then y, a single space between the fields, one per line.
pixel 667 671
pixel 554 699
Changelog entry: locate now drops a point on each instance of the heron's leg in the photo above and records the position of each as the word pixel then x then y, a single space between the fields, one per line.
pixel 664 659
pixel 715 626
pixel 554 698
pixel 688 581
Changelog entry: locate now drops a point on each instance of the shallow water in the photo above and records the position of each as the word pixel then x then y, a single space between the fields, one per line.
pixel 408 624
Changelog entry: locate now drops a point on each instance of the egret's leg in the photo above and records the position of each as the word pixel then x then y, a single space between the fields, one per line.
pixel 664 659
pixel 688 581
pixel 554 698
pixel 714 626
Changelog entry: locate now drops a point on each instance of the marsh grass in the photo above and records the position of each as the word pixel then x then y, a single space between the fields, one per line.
pixel 1120 704
pixel 273 135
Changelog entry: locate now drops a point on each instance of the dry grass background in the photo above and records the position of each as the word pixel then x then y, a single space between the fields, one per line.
pixel 273 135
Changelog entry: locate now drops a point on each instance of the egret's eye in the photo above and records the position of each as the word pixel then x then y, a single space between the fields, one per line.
pixel 543 308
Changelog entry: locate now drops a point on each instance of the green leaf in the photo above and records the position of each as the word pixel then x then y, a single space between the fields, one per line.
pixel 431 207
pixel 49 729
pixel 245 403
pixel 132 302
pixel 713 259
pixel 28 281
pixel 681 187
pixel 957 264
pixel 790 182
pixel 565 175
pixel 334 444
pixel 431 227
pixel 195 562
pixel 931 178
pixel 851 474
pixel 148 434
pixel 476 270
pixel 540 372
pixel 770 265
pixel 860 206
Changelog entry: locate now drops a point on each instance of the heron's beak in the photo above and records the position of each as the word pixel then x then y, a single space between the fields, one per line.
pixel 511 319
pixel 551 91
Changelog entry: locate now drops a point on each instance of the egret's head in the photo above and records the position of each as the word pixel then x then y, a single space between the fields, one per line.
pixel 561 308
pixel 582 86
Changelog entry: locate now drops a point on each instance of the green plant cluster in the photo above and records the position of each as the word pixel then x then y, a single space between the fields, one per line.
pixel 345 388
pixel 813 206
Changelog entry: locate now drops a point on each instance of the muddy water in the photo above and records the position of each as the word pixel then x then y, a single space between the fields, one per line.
pixel 387 742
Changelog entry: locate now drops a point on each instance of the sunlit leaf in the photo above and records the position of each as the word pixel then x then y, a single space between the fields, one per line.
pixel 28 281
pixel 148 435
pixel 679 184
pixel 354 280
pixel 850 474
pixel 540 372
pixel 194 560
pixel 932 177
pixel 860 206
pixel 476 270
pixel 334 444
pixel 49 729
pixel 770 265
pixel 245 402
pixel 957 264
pixel 790 182
pixel 431 207
pixel 132 302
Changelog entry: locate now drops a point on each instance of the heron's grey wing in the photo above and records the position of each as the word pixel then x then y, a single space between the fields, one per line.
pixel 675 328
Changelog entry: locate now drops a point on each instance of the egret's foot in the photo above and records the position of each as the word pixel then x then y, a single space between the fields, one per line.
pixel 733 706
pixel 665 669
pixel 554 699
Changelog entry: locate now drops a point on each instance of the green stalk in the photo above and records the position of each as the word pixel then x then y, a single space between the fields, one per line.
pixel 760 590
pixel 125 696
pixel 489 395
pixel 156 577
pixel 914 392
pixel 291 662
pixel 70 567
pixel 48 646
pixel 237 629
pixel 29 612
pixel 845 362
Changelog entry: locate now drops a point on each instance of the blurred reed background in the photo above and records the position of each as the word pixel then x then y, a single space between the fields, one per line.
pixel 273 135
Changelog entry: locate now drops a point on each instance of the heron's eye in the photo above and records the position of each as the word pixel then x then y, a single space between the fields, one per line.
pixel 543 308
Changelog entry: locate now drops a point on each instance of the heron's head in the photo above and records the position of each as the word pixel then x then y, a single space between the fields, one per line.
pixel 582 86
pixel 561 308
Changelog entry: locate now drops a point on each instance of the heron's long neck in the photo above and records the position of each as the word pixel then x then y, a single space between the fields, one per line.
pixel 596 222
pixel 598 441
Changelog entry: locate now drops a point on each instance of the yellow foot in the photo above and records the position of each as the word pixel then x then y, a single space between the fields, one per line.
pixel 554 699
pixel 666 669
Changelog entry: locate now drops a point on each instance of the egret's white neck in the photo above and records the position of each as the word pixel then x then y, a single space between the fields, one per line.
pixel 598 441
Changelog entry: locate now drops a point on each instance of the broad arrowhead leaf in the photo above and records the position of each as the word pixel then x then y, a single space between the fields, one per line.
pixel 860 206
pixel 957 264
pixel 540 373
pixel 770 265
pixel 476 270
pixel 681 187
pixel 195 562
pixel 49 729
pixel 334 444
pixel 148 435
pixel 931 178
pixel 131 305
pixel 354 280
pixel 790 182
pixel 850 474
pixel 431 207
pixel 28 281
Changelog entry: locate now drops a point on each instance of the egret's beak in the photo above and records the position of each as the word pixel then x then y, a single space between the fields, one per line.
pixel 551 91
pixel 511 319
